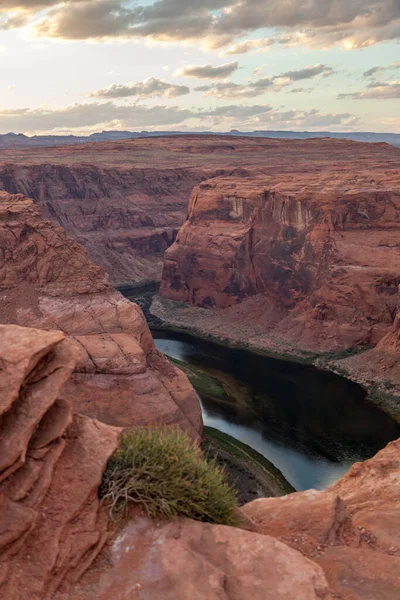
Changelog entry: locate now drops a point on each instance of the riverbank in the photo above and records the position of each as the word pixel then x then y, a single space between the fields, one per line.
pixel 250 473
pixel 210 326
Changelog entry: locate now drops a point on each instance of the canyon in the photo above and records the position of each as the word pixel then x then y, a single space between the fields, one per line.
pixel 48 281
pixel 289 246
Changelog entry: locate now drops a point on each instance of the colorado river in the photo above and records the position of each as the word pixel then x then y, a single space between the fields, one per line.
pixel 311 424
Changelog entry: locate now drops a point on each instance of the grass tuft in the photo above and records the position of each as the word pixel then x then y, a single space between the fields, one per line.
pixel 163 471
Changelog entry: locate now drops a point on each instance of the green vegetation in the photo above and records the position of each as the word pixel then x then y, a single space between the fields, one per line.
pixel 270 478
pixel 163 471
pixel 203 382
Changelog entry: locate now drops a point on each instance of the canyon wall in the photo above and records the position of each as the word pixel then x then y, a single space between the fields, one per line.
pixel 48 281
pixel 316 262
pixel 125 200
pixel 125 217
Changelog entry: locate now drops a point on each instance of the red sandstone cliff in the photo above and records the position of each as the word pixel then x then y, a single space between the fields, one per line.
pixel 313 261
pixel 125 200
pixel 48 281
pixel 115 213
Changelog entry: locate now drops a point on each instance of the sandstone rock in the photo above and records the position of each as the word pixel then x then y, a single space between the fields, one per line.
pixel 114 212
pixel 351 529
pixel 51 524
pixel 48 281
pixel 321 254
pixel 187 559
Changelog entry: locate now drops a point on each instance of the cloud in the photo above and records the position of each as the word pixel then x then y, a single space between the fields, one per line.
pixel 354 24
pixel 208 71
pixel 247 46
pixel 259 86
pixel 228 90
pixel 376 91
pixel 308 73
pixel 94 115
pixel 380 69
pixel 142 89
pixel 300 90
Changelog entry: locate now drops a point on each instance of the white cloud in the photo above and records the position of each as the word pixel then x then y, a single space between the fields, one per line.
pixel 142 89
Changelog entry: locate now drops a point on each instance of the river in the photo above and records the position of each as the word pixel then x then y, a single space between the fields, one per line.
pixel 311 424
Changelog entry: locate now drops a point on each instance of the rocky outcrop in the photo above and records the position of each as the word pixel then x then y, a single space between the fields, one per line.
pixel 325 259
pixel 351 529
pixel 54 530
pixel 56 541
pixel 48 281
pixel 52 526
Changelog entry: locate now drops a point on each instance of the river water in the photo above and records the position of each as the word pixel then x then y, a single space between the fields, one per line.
pixel 311 424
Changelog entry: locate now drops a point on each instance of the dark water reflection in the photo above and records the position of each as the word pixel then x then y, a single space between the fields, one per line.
pixel 313 425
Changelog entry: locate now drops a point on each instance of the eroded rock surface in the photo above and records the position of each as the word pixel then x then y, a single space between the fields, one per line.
pixel 48 281
pixel 51 463
pixel 113 212
pixel 351 529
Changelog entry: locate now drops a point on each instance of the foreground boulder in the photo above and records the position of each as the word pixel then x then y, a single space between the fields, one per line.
pixel 352 529
pixel 48 281
pixel 52 526
pixel 187 559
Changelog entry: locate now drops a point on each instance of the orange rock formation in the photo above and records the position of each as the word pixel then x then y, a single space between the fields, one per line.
pixel 48 281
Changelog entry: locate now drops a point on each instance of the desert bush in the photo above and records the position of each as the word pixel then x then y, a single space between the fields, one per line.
pixel 162 470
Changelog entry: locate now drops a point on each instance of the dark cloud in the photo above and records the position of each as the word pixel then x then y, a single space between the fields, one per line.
pixel 301 90
pixel 143 89
pixel 380 69
pixel 208 71
pixel 356 23
pixel 308 73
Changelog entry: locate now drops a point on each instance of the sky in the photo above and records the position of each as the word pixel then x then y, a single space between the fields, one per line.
pixel 81 66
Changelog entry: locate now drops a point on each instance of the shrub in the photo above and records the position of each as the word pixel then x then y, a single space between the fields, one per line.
pixel 162 470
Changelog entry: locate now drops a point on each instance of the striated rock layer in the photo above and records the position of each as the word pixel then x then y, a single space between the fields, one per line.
pixel 125 200
pixel 52 526
pixel 48 281
pixel 114 213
